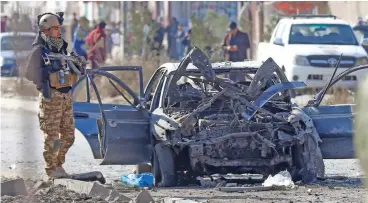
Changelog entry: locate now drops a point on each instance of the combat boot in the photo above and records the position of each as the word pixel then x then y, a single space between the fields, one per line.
pixel 62 171
pixel 57 173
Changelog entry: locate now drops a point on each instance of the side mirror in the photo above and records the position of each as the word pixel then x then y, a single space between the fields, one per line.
pixel 278 41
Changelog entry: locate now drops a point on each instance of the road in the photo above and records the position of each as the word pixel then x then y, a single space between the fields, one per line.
pixel 22 146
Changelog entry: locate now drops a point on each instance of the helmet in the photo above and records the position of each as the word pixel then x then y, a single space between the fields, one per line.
pixel 49 20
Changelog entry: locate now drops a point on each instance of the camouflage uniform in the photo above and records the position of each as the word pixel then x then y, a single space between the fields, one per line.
pixel 56 118
pixel 56 110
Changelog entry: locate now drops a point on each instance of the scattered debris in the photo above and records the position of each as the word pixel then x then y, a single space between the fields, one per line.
pixel 13 187
pixel 137 180
pixel 120 187
pixel 13 166
pixel 37 186
pixel 178 200
pixel 247 189
pixel 210 183
pixel 143 197
pixel 231 185
pixel 283 178
pixel 94 189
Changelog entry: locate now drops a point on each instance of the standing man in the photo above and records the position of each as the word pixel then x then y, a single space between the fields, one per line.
pixel 79 35
pixel 74 25
pixel 187 42
pixel 4 20
pixel 96 42
pixel 56 110
pixel 235 45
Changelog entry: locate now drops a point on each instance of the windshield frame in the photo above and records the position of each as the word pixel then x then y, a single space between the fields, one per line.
pixel 355 43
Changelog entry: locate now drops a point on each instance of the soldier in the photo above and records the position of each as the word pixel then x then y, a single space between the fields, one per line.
pixel 54 82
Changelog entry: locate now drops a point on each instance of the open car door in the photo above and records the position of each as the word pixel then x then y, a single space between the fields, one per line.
pixel 334 123
pixel 117 132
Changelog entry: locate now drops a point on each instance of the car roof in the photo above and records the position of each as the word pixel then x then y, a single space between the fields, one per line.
pixel 5 34
pixel 314 20
pixel 218 66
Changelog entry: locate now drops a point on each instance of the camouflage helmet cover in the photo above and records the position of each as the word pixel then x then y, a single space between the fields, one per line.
pixel 48 20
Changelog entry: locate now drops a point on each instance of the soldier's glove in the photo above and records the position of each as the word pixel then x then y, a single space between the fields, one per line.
pixel 82 62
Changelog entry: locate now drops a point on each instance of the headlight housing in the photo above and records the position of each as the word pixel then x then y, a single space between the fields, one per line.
pixel 301 60
pixel 361 61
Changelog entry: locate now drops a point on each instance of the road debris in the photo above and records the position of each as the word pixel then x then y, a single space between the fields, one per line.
pixel 143 197
pixel 94 189
pixel 13 187
pixel 137 180
pixel 283 178
pixel 248 189
pixel 231 185
pixel 211 183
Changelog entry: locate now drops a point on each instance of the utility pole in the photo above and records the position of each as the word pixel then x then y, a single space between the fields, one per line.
pixel 261 21
pixel 122 29
pixel 253 10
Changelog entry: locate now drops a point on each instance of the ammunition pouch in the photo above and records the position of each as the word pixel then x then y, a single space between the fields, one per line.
pixel 69 79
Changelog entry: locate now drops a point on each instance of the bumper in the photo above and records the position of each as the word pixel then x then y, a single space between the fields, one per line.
pixel 9 70
pixel 318 77
pixel 237 153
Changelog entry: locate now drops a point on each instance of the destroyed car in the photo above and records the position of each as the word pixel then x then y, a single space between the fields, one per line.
pixel 192 119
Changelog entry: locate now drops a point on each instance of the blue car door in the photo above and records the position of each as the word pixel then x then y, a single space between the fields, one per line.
pixel 118 132
pixel 335 123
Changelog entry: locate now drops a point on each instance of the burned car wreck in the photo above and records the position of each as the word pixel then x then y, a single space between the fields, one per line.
pixel 197 121
pixel 238 127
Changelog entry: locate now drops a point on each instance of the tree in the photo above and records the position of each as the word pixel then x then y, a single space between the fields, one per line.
pixel 209 32
pixel 271 26
pixel 138 20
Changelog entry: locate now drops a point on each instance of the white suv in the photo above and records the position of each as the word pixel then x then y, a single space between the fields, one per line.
pixel 308 47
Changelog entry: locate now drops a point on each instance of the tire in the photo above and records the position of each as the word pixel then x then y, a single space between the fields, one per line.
pixel 143 168
pixel 165 167
pixel 308 165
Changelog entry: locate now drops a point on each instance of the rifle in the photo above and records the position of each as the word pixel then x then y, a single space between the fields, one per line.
pixel 71 60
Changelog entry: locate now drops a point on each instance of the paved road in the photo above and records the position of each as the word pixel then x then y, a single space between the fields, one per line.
pixel 22 147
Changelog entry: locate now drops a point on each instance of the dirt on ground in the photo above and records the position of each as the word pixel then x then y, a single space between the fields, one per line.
pixel 331 190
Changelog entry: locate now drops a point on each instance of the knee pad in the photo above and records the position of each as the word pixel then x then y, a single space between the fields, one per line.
pixel 56 147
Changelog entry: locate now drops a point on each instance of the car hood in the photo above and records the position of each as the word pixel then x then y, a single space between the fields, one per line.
pixel 11 54
pixel 313 49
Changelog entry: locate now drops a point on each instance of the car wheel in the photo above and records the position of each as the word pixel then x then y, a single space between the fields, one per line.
pixel 163 166
pixel 143 168
pixel 308 162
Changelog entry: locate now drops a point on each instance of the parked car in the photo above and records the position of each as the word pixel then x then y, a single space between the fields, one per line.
pixel 15 48
pixel 307 48
pixel 192 120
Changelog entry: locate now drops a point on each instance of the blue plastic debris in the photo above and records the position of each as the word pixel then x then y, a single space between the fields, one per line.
pixel 137 180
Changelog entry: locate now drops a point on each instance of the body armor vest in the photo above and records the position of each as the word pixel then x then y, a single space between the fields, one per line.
pixel 60 74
